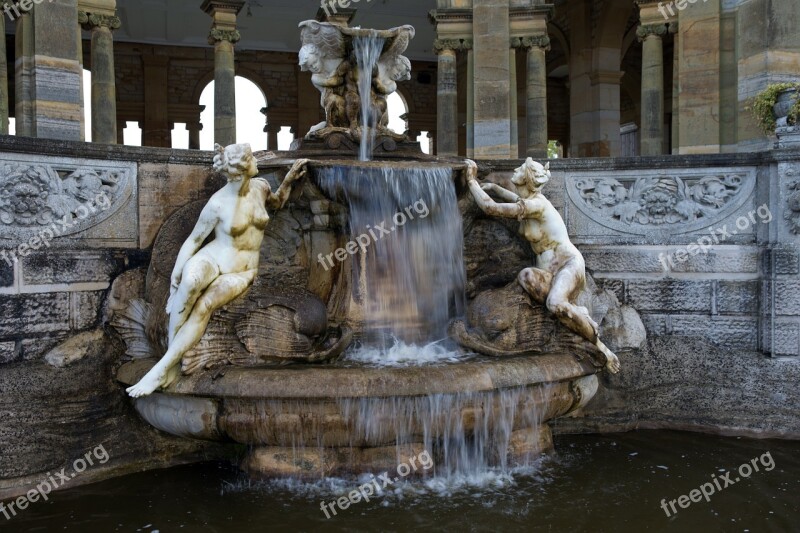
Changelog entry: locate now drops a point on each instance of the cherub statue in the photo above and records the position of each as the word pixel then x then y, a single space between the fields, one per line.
pixel 392 68
pixel 560 272
pixel 206 278
pixel 322 54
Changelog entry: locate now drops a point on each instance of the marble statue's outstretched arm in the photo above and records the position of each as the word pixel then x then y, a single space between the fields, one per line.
pixel 277 199
pixel 484 201
pixel 500 192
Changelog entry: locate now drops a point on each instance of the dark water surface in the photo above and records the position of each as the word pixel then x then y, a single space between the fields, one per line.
pixel 592 483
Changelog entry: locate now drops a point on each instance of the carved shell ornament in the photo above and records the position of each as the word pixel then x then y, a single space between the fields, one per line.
pixel 644 204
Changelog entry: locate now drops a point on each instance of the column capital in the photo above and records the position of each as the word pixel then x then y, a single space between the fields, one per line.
pixel 542 41
pixel 218 35
pixel 212 7
pixel 443 45
pixel 673 27
pixel 646 30
pixel 90 21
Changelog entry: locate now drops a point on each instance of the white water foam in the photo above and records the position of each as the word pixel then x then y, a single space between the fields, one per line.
pixel 401 354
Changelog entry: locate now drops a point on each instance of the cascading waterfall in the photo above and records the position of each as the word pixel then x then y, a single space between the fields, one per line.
pixel 412 270
pixel 367 51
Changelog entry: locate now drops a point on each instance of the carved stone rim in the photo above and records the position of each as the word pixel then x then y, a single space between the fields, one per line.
pixel 292 382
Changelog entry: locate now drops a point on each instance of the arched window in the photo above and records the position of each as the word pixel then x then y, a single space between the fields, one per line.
pixel 249 120
pixel 397 107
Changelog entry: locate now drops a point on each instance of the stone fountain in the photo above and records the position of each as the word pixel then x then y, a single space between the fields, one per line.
pixel 266 325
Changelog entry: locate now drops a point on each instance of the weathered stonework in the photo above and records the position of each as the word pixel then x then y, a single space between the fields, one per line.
pixel 68 197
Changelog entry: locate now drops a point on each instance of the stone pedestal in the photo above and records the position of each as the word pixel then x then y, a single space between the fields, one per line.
pixel 447 97
pixel 223 36
pixel 788 137
pixel 652 130
pixel 104 93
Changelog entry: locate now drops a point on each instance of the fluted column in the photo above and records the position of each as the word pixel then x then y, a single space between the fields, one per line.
pixel 223 36
pixel 536 93
pixel 3 79
pixel 652 132
pixel 104 92
pixel 447 97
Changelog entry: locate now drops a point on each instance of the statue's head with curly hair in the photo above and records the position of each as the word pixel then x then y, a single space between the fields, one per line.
pixel 531 176
pixel 236 161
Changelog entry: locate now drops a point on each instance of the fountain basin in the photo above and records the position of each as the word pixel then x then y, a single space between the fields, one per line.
pixel 312 421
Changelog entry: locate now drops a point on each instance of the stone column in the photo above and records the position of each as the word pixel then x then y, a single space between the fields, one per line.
pixel 223 36
pixel 536 93
pixel 272 131
pixel 699 55
pixel 23 94
pixel 194 134
pixel 467 45
pixel 491 37
pixel 156 130
pixel 3 79
pixel 652 130
pixel 104 92
pixel 513 106
pixel 447 97
pixel 676 90
pixel 56 73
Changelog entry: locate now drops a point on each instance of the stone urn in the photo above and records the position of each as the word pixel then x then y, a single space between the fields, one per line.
pixel 783 105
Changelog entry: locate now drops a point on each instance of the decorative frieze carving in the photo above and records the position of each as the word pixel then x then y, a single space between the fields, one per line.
pixel 790 173
pixel 676 203
pixel 75 197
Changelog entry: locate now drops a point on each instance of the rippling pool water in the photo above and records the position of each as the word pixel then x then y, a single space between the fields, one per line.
pixel 592 483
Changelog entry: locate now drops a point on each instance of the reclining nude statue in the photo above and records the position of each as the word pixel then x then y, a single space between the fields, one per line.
pixel 560 272
pixel 205 278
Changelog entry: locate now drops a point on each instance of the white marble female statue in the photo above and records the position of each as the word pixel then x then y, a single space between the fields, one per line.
pixel 206 278
pixel 560 272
